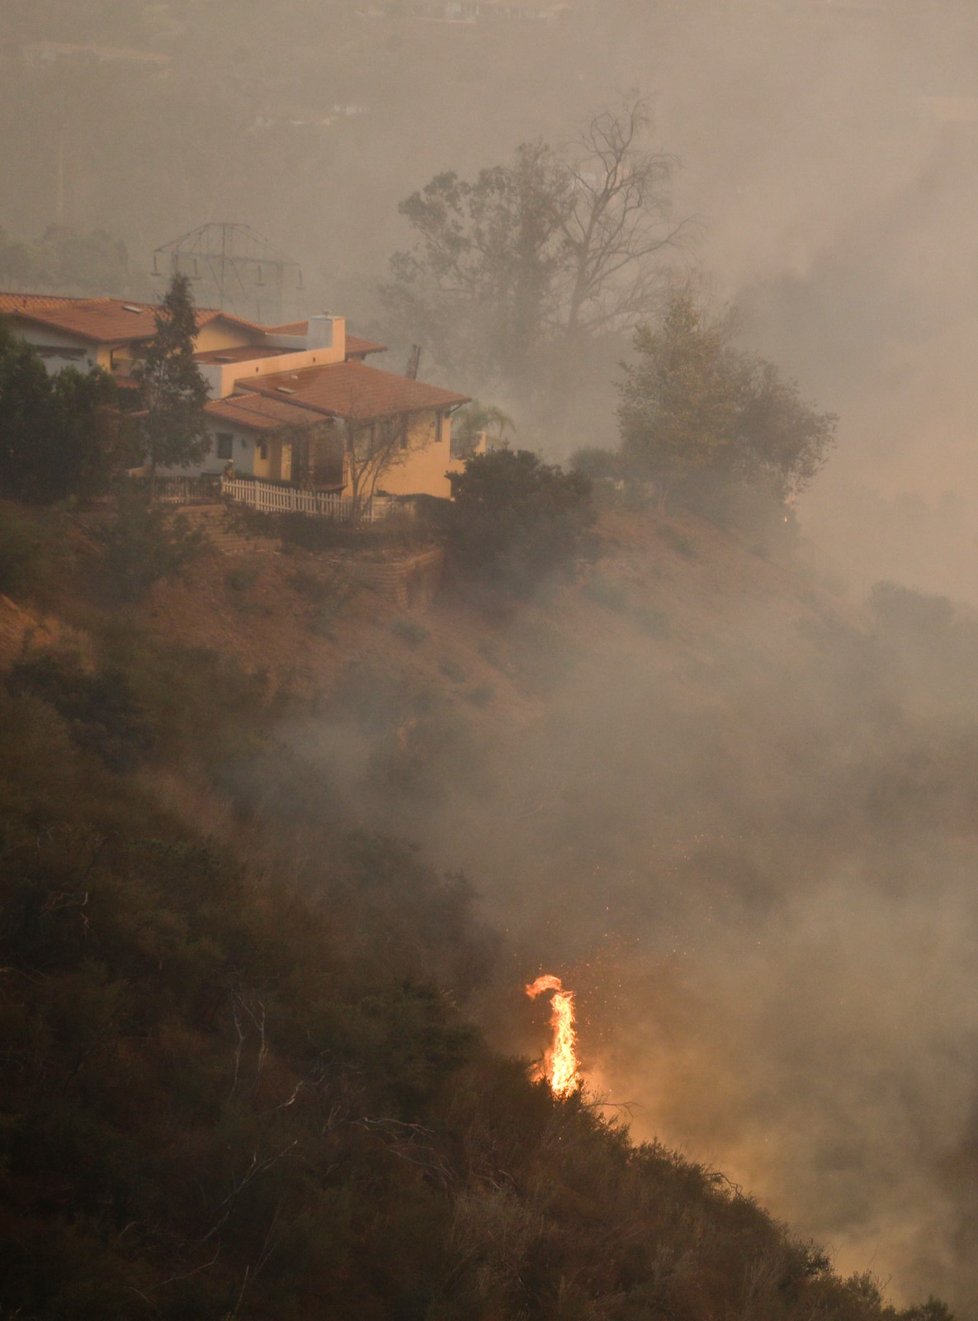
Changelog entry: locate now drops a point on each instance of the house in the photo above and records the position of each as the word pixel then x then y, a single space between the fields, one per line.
pixel 295 403
pixel 105 332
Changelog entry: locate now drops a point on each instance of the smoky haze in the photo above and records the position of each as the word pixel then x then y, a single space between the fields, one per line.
pixel 747 843
pixel 751 853
pixel 827 160
pixel 757 857
pixel 826 153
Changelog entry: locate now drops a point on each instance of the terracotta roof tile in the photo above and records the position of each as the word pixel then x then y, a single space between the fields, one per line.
pixel 256 412
pixel 13 302
pixel 352 389
pixel 112 320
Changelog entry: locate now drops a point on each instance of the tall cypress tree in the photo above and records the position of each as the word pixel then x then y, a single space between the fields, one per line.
pixel 174 392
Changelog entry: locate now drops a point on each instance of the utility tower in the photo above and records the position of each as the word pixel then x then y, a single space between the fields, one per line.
pixel 234 268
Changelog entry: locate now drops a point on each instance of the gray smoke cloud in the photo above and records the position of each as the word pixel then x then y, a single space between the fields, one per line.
pixel 750 848
pixel 745 839
pixel 756 866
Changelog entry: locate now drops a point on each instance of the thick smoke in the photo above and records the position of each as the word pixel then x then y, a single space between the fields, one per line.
pixel 747 843
pixel 750 850
pixel 756 866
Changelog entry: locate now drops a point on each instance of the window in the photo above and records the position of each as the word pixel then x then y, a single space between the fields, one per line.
pixel 263 449
pixel 225 444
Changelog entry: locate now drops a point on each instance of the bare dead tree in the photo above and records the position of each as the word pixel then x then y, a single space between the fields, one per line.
pixel 376 445
pixel 617 226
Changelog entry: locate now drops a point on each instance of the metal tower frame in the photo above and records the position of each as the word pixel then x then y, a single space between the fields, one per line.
pixel 240 266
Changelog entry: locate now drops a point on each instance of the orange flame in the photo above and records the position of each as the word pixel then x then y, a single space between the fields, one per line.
pixel 560 1061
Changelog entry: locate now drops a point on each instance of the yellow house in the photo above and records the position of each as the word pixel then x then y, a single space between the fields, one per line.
pixel 294 404
pixel 348 427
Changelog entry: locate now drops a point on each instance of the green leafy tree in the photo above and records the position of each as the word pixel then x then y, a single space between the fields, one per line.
pixel 679 400
pixel 514 273
pixel 174 432
pixel 144 544
pixel 94 438
pixel 59 436
pixel 783 440
pixel 695 412
pixel 25 415
pixel 477 286
pixel 516 520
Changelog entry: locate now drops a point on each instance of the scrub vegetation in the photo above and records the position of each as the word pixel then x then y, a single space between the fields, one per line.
pixel 246 1063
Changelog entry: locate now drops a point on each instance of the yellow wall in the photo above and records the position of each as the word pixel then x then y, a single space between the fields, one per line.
pixel 277 465
pixel 420 469
pixel 219 335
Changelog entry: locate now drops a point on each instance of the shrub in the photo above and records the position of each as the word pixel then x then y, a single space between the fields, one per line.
pixel 902 612
pixel 20 551
pixel 143 544
pixel 102 713
pixel 409 630
pixel 327 592
pixel 242 577
pixel 59 436
pixel 596 463
pixel 517 521
pixel 302 532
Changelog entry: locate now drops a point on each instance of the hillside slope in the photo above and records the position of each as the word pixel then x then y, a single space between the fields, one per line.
pixel 246 1035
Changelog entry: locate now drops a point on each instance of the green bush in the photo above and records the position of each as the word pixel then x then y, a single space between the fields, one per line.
pixel 242 577
pixel 60 436
pixel 303 532
pixel 517 521
pixel 144 544
pixel 102 713
pixel 905 613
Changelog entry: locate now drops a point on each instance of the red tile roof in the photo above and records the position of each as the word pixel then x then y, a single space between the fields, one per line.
pixel 255 412
pixel 352 389
pixel 112 320
pixel 12 302
pixel 108 320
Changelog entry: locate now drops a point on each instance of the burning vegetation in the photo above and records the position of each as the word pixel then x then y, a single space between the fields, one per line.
pixel 559 1067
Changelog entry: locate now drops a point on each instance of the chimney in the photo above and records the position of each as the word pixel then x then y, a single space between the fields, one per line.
pixel 328 332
